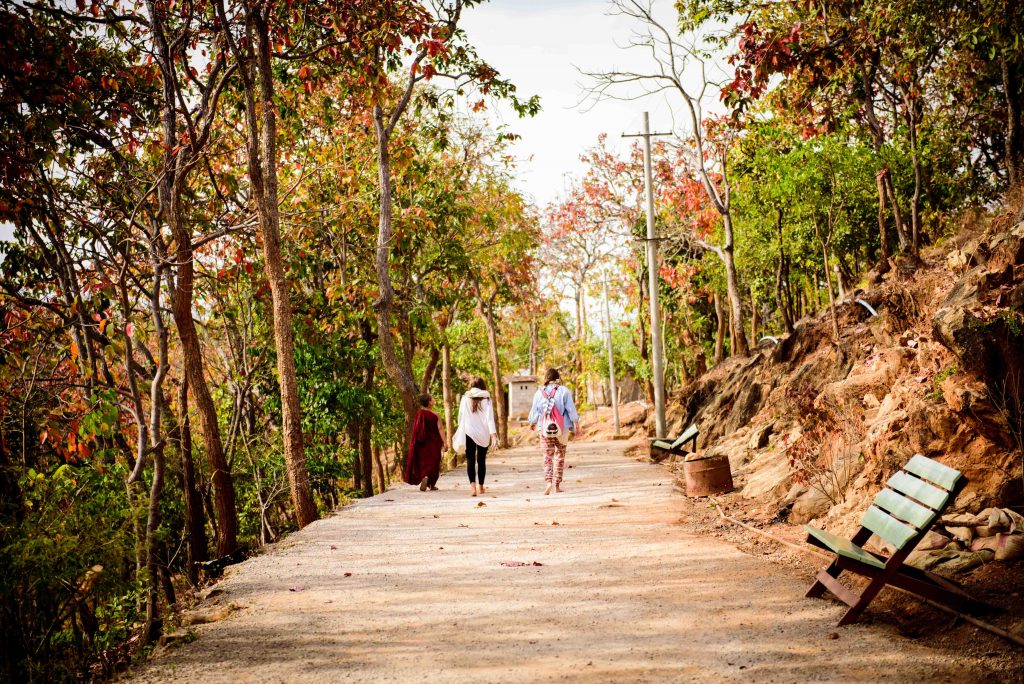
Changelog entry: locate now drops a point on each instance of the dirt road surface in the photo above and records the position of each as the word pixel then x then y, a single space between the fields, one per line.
pixel 411 586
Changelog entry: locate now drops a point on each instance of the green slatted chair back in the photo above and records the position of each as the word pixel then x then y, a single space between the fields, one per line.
pixel 911 500
pixel 689 434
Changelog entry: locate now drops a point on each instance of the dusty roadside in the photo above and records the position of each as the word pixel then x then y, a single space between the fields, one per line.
pixel 410 585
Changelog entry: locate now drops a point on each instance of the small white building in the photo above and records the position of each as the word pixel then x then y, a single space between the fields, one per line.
pixel 521 389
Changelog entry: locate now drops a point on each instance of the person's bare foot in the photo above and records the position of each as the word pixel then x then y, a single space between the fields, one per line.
pixel 433 489
pixel 547 490
pixel 558 488
pixel 423 484
pixel 474 489
pixel 482 489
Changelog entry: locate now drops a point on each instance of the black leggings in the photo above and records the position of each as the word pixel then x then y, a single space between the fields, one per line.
pixel 476 460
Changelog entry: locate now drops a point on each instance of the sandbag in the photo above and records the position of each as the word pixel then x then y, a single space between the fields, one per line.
pixel 992 521
pixel 933 540
pixel 964 533
pixel 1006 547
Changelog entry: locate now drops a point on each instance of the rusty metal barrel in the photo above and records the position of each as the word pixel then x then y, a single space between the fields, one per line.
pixel 707 476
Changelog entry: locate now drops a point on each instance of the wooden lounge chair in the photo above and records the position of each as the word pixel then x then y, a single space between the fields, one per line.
pixel 900 514
pixel 662 448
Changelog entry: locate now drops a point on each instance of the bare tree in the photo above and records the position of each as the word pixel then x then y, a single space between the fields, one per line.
pixel 672 60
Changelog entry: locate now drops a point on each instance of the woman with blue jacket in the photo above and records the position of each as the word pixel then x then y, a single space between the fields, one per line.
pixel 554 416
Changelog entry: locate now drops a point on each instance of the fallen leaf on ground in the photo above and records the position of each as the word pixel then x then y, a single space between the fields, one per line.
pixel 348 574
pixel 519 564
pixel 296 587
pixel 480 503
pixel 436 515
pixel 554 522
pixel 463 525
pixel 333 547
pixel 833 635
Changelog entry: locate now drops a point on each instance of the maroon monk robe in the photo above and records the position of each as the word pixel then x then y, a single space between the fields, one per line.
pixel 424 459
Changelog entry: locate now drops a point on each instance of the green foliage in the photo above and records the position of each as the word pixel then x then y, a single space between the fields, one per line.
pixel 66 572
pixel 947 372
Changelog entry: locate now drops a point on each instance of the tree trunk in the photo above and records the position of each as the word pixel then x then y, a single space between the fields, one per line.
pixel 261 151
pixel 732 335
pixel 828 282
pixel 365 448
pixel 170 188
pixel 753 318
pixel 154 624
pixel 720 331
pixel 399 373
pixel 883 233
pixel 220 475
pixel 382 483
pixel 534 345
pixel 733 288
pixel 783 294
pixel 446 391
pixel 897 212
pixel 498 391
pixel 354 442
pixel 915 158
pixel 780 295
pixel 1013 86
pixel 194 520
pixel 154 555
pixel 642 327
pixel 428 372
pixel 878 140
pixel 578 297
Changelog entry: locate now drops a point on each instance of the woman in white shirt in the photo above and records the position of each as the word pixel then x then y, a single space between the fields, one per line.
pixel 476 420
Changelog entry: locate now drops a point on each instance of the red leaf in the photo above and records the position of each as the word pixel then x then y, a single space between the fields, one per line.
pixel 129 329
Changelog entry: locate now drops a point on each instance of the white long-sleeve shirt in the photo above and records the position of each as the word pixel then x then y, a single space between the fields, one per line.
pixel 478 426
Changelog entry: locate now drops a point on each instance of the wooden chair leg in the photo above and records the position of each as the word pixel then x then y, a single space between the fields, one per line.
pixel 866 597
pixel 817 589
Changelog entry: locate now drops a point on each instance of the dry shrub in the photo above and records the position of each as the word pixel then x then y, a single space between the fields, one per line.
pixel 1007 397
pixel 900 304
pixel 820 457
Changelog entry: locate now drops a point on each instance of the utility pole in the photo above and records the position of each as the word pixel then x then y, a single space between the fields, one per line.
pixel 611 357
pixel 652 282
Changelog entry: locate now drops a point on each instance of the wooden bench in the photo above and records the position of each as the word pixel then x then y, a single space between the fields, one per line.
pixel 663 448
pixel 901 514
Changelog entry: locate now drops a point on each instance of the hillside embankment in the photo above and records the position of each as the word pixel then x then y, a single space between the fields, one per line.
pixel 930 360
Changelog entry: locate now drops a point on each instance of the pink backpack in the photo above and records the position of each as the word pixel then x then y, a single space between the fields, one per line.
pixel 552 422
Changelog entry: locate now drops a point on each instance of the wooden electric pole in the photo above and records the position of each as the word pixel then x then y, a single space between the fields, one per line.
pixel 657 365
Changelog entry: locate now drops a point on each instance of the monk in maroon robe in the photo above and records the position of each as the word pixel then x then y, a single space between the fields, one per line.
pixel 423 464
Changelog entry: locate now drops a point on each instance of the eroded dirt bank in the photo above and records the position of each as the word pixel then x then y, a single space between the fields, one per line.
pixel 409 586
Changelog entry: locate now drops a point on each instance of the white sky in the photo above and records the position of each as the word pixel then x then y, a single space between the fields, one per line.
pixel 538 45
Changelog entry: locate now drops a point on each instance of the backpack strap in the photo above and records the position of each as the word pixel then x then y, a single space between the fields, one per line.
pixel 549 397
